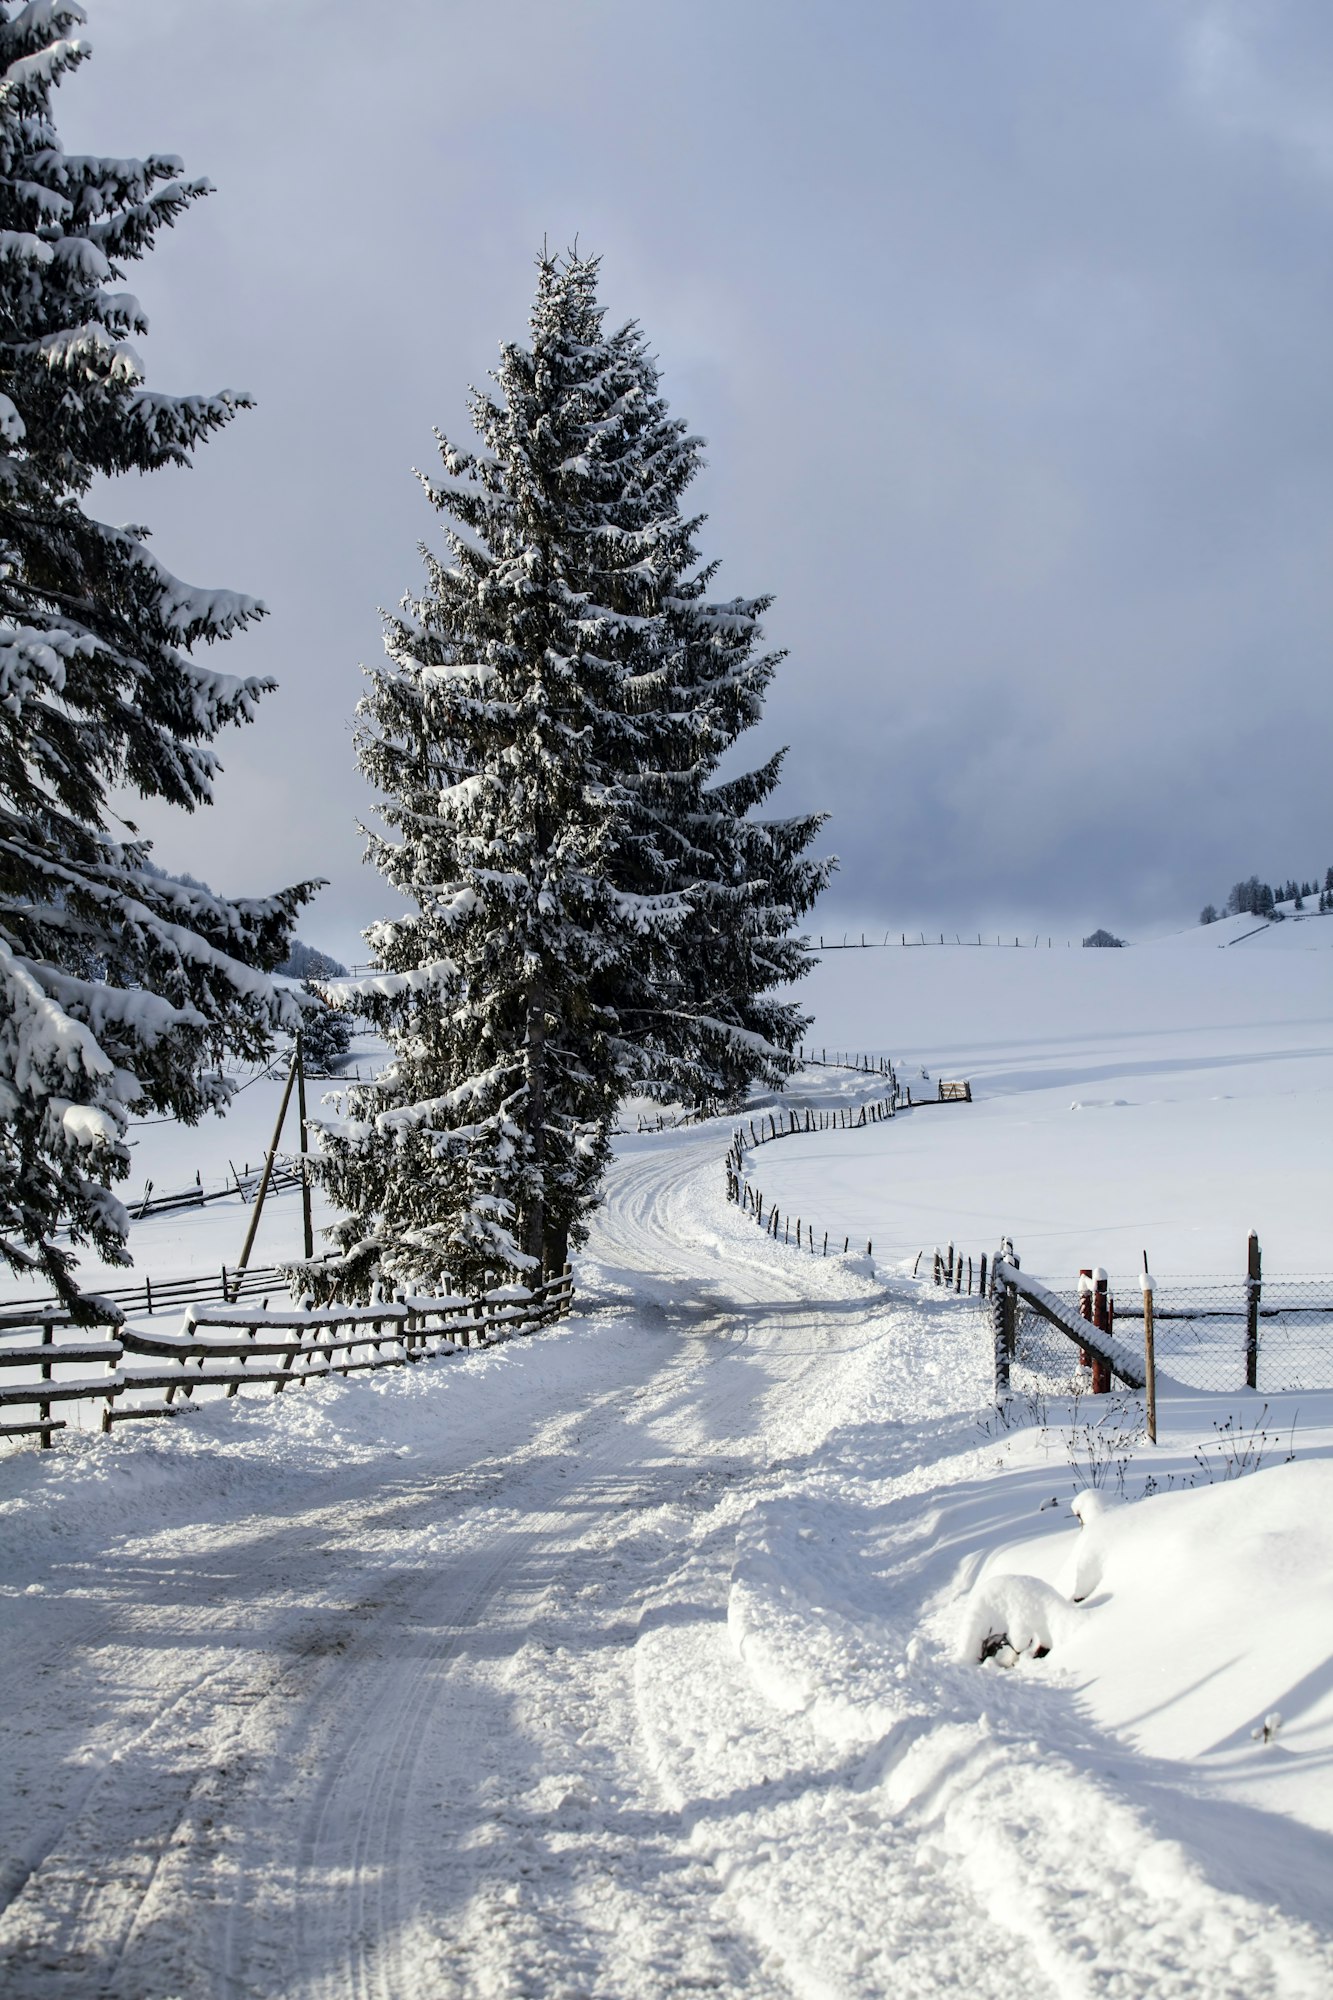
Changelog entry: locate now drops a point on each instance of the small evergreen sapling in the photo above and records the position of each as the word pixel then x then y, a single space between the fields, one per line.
pixel 122 989
pixel 326 1033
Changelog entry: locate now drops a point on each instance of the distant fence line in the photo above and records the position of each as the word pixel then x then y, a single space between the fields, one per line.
pixel 286 1173
pixel 857 1065
pixel 919 938
pixel 1212 1333
pixel 226 1347
pixel 789 1124
pixel 154 1295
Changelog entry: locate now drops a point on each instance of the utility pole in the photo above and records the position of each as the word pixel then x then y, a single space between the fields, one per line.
pixel 305 1148
pixel 268 1163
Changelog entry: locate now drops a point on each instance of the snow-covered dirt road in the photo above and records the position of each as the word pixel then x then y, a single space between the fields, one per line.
pixel 614 1662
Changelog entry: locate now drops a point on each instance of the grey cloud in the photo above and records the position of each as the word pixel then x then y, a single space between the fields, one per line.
pixel 1007 327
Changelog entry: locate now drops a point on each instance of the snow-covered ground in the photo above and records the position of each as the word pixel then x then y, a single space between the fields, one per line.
pixel 643 1656
pixel 1169 1098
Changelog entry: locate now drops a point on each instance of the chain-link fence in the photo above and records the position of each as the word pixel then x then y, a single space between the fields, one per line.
pixel 1208 1334
pixel 1044 1360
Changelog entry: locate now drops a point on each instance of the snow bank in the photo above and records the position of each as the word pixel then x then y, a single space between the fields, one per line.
pixel 1202 1612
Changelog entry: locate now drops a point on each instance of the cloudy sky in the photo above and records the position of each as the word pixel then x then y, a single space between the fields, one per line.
pixel 1007 322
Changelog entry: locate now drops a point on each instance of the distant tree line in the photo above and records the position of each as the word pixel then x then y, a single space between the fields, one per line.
pixel 1254 898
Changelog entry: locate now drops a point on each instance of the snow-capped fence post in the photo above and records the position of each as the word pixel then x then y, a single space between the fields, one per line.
pixel 1004 1315
pixel 1084 1307
pixel 1101 1319
pixel 44 1407
pixel 1253 1289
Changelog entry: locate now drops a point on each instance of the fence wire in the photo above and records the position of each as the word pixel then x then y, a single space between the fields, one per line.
pixel 1200 1334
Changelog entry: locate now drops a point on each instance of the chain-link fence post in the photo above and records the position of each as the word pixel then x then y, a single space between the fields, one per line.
pixel 1253 1288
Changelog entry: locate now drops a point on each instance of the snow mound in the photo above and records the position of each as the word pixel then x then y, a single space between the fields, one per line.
pixel 1006 1616
pixel 1200 1613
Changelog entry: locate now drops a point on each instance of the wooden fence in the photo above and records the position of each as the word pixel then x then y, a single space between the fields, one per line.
pixel 919 938
pixel 788 1124
pixel 154 1295
pixel 225 1346
pixel 286 1173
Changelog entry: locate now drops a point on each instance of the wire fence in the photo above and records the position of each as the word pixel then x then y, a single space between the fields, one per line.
pixel 1209 1333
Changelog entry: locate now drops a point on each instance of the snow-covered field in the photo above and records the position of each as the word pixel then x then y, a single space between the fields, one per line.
pixel 642 1657
pixel 1170 1098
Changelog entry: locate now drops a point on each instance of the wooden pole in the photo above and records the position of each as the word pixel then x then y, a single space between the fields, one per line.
pixel 1003 1316
pixel 1253 1288
pixel 305 1147
pixel 1149 1356
pixel 258 1209
pixel 1101 1319
pixel 44 1407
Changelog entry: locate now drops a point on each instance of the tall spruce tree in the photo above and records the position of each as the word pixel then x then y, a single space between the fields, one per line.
pixel 706 1023
pixel 590 914
pixel 122 989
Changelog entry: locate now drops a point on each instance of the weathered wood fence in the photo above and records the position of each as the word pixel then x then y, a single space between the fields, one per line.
pixel 229 1347
pixel 788 1123
pixel 154 1295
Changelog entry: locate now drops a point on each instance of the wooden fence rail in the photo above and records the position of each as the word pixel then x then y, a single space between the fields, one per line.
pixel 227 1346
pixel 790 1123
pixel 154 1295
pixel 1010 1285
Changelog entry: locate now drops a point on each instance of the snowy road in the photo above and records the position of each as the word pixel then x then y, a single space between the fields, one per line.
pixel 594 1666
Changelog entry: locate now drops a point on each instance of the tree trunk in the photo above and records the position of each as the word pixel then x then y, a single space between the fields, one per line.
pixel 555 1254
pixel 534 1217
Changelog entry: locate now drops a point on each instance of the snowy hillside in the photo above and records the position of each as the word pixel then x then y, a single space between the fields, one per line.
pixel 1167 1098
pixel 1298 930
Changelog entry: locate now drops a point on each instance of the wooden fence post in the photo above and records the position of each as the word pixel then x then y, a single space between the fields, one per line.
pixel 1149 1355
pixel 1253 1289
pixel 1101 1319
pixel 1004 1313
pixel 44 1408
pixel 1085 1308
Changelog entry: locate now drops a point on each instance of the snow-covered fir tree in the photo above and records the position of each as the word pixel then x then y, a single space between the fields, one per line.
pixel 122 989
pixel 326 1033
pixel 705 1023
pixel 591 912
